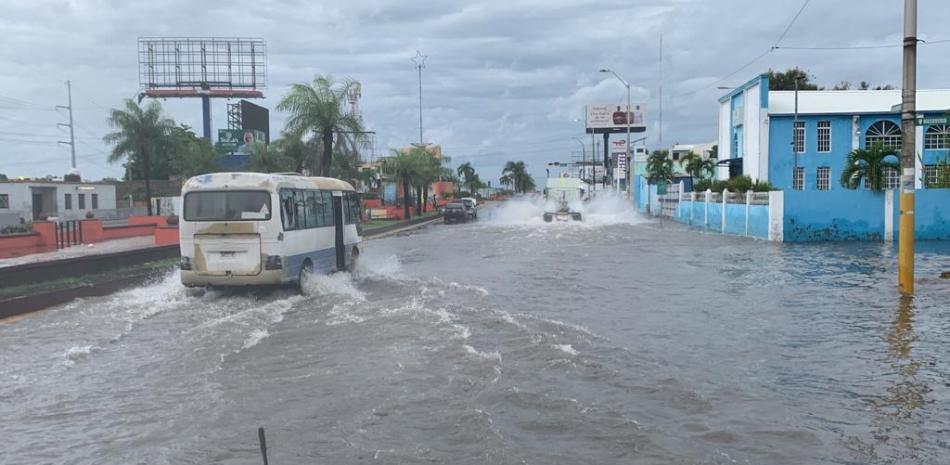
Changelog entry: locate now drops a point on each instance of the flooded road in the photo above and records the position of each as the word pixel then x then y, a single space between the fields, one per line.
pixel 507 341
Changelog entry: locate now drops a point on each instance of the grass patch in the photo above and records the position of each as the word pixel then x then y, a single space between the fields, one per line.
pixel 157 266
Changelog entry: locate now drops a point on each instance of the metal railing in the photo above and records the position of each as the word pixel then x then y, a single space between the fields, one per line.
pixel 68 233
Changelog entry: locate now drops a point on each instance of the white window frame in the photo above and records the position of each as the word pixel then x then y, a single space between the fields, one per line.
pixel 937 137
pixel 885 132
pixel 798 129
pixel 892 178
pixel 930 175
pixel 819 181
pixel 824 126
pixel 798 178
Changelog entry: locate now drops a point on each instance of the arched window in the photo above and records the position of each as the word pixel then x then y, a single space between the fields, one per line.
pixel 883 132
pixel 937 137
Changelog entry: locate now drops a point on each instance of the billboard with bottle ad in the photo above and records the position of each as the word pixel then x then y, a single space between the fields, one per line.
pixel 611 118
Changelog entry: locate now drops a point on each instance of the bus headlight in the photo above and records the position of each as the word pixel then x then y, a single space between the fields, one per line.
pixel 273 262
pixel 185 263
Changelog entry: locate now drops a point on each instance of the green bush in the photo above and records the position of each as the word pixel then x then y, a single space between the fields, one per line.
pixel 739 185
pixel 17 229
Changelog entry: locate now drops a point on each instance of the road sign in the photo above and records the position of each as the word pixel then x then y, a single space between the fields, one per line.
pixel 921 121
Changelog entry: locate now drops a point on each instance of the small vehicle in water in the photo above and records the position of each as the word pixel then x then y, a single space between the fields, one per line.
pixel 471 206
pixel 454 212
pixel 563 197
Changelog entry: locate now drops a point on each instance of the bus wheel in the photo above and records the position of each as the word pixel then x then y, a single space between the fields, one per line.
pixel 306 271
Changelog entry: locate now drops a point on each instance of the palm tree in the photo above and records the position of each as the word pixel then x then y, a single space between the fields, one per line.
pixel 506 180
pixel 465 172
pixel 868 165
pixel 692 164
pixel 142 134
pixel 659 166
pixel 320 107
pixel 402 166
pixel 517 171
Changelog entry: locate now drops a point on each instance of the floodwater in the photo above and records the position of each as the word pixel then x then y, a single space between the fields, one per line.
pixel 506 341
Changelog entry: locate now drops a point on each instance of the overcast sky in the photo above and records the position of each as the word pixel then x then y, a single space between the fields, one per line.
pixel 504 80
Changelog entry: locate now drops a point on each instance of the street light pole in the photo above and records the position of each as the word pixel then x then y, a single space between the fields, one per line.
pixel 627 116
pixel 420 61
pixel 905 247
pixel 583 155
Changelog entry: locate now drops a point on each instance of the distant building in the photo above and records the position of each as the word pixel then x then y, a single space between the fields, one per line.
pixel 31 200
pixel 756 133
pixel 678 153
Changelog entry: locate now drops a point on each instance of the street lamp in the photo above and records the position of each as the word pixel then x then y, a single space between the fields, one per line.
pixel 627 85
pixel 583 155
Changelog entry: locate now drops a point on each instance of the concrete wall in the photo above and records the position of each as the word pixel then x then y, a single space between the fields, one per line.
pixel 842 215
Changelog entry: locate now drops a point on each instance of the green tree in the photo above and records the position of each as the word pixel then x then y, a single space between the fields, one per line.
pixel 659 166
pixel 192 155
pixel 506 181
pixel 320 108
pixel 785 80
pixel 517 171
pixel 868 165
pixel 465 171
pixel 143 135
pixel 269 159
pixel 402 166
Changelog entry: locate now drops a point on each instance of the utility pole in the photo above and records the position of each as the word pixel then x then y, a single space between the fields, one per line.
pixel 72 137
pixel 420 62
pixel 905 248
pixel 660 129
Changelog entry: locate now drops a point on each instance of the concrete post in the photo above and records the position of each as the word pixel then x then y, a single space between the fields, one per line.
pixel 777 216
pixel 748 203
pixel 889 215
pixel 679 198
pixel 723 223
pixel 692 203
pixel 706 209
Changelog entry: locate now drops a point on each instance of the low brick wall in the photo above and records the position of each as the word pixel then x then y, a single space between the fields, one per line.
pixel 122 232
pixel 166 235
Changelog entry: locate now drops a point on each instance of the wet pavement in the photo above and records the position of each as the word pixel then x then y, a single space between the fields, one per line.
pixel 508 340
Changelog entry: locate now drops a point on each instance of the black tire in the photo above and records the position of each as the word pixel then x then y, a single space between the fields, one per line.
pixel 548 217
pixel 576 216
pixel 306 270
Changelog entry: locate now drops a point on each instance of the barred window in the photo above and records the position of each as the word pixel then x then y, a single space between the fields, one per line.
pixel 892 178
pixel 798 178
pixel 823 178
pixel 798 137
pixel 930 174
pixel 883 132
pixel 824 136
pixel 937 137
pixel 4 201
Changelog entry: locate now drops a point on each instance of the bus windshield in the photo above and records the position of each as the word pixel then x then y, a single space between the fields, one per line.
pixel 227 206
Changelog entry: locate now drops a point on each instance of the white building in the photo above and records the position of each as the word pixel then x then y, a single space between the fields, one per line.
pixel 679 151
pixel 36 199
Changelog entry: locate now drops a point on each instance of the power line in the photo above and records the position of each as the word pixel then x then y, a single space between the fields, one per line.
pixel 790 24
pixel 863 47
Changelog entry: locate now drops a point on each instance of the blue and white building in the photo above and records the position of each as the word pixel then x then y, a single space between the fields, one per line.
pixel 756 135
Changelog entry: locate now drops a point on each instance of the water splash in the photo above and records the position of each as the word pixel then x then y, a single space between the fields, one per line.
pixel 604 210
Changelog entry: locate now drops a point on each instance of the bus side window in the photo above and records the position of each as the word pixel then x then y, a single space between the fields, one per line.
pixel 287 210
pixel 313 209
pixel 327 208
pixel 301 212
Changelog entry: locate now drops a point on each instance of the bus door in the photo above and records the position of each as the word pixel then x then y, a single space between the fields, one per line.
pixel 338 228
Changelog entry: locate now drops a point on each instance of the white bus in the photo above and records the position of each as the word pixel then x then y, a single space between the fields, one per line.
pixel 245 229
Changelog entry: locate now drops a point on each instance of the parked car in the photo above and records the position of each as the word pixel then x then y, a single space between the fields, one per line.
pixel 455 212
pixel 471 206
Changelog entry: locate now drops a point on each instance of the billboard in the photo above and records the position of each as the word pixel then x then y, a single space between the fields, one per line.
pixel 207 63
pixel 229 139
pixel 618 153
pixel 256 119
pixel 611 118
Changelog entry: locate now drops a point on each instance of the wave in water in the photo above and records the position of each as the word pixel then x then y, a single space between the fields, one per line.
pixel 604 210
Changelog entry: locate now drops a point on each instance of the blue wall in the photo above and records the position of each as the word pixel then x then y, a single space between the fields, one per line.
pixel 735 217
pixel 931 214
pixel 841 215
pixel 782 160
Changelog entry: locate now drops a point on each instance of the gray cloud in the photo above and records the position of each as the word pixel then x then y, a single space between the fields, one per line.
pixel 504 79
